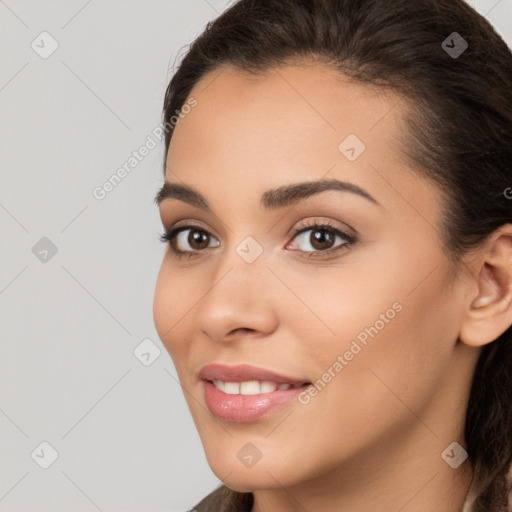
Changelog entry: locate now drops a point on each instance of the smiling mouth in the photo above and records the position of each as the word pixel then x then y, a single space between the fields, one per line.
pixel 246 393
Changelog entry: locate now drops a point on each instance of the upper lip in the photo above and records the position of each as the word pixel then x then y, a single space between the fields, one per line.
pixel 244 372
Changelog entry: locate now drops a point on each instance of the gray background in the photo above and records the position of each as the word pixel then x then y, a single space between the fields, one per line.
pixel 70 323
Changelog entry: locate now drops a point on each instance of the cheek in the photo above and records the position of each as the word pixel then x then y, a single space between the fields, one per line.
pixel 383 301
pixel 394 344
pixel 352 306
pixel 173 299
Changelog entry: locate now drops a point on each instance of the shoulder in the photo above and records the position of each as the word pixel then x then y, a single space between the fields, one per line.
pixel 224 499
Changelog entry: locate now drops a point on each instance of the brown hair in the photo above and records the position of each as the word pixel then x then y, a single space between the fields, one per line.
pixel 459 134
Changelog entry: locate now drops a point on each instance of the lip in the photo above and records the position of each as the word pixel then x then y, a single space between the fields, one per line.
pixel 246 408
pixel 244 372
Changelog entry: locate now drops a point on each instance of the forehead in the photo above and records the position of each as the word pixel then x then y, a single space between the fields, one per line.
pixel 294 116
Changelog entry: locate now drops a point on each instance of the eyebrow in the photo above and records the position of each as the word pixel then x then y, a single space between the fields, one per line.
pixel 272 199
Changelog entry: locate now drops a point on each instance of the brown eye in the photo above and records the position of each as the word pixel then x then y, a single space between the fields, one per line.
pixel 189 239
pixel 192 239
pixel 198 239
pixel 321 239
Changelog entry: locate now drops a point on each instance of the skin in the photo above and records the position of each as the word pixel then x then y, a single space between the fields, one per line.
pixel 372 438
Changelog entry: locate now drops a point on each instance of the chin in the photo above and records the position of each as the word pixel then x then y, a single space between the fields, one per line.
pixel 247 481
pixel 266 473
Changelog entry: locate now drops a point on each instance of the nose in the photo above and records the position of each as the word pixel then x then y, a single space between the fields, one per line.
pixel 242 301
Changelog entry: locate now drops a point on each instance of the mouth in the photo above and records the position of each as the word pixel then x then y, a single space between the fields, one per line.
pixel 246 393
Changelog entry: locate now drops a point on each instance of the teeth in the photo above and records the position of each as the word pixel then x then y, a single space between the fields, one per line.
pixel 267 386
pixel 251 387
pixel 219 384
pixel 232 388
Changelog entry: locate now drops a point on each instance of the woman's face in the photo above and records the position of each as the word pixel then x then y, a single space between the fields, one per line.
pixel 370 319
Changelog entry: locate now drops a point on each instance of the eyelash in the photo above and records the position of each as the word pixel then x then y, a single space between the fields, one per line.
pixel 169 235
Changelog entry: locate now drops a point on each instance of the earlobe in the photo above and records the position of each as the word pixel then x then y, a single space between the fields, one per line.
pixel 489 313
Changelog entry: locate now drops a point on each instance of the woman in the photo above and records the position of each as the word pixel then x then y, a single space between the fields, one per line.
pixel 336 292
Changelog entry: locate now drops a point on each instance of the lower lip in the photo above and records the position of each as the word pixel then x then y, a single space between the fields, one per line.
pixel 245 408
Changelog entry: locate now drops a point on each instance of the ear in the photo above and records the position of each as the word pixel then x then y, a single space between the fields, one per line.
pixel 489 311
